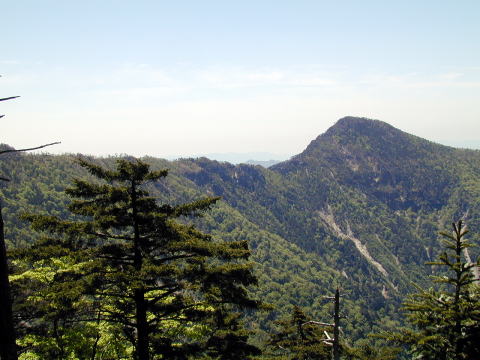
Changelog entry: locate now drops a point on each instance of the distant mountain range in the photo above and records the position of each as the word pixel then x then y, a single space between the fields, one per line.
pixel 264 159
pixel 360 208
pixel 265 164
pixel 463 144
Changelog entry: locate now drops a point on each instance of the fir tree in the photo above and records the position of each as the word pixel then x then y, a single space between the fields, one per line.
pixel 446 320
pixel 145 270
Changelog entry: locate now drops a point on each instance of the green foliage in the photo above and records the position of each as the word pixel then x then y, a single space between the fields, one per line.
pixel 134 265
pixel 229 341
pixel 298 339
pixel 390 190
pixel 446 320
pixel 58 320
pixel 366 350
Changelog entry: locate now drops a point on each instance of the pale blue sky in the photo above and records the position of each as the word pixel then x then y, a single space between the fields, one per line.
pixel 192 77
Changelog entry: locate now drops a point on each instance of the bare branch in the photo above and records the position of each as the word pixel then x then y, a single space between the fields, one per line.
pixel 29 149
pixel 20 150
pixel 9 98
pixel 318 323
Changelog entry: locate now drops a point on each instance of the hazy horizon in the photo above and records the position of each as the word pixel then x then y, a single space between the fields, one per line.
pixel 245 157
pixel 184 78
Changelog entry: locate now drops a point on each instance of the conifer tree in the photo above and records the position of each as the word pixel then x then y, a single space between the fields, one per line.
pixel 446 320
pixel 142 267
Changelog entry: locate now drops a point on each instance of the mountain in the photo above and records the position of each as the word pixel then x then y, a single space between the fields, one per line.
pixel 392 166
pixel 265 163
pixel 360 209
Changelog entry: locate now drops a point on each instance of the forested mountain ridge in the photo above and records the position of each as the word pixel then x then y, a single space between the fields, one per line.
pixel 360 208
pixel 399 169
pixel 362 183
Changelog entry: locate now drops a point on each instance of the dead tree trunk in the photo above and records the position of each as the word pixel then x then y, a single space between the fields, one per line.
pixel 8 347
pixel 336 327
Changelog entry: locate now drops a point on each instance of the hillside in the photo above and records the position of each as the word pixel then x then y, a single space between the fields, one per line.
pixel 360 208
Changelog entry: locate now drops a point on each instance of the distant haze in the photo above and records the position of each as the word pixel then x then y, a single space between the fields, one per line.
pixel 236 158
pixel 466 144
pixel 167 78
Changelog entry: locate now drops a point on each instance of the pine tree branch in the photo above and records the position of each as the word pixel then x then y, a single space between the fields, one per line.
pixel 123 260
pixel 177 312
pixel 113 318
pixel 116 295
pixel 177 257
pixel 162 296
pixel 109 236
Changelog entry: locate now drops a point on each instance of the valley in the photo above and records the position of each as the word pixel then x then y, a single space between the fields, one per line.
pixel 359 209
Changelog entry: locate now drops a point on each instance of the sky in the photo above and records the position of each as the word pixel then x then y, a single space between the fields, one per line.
pixel 186 78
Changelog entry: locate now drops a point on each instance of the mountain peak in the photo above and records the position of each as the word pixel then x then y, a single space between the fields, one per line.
pixel 353 120
pixel 358 133
pixel 351 125
pixel 379 159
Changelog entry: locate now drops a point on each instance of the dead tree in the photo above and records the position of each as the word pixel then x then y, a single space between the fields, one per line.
pixel 328 340
pixel 8 346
